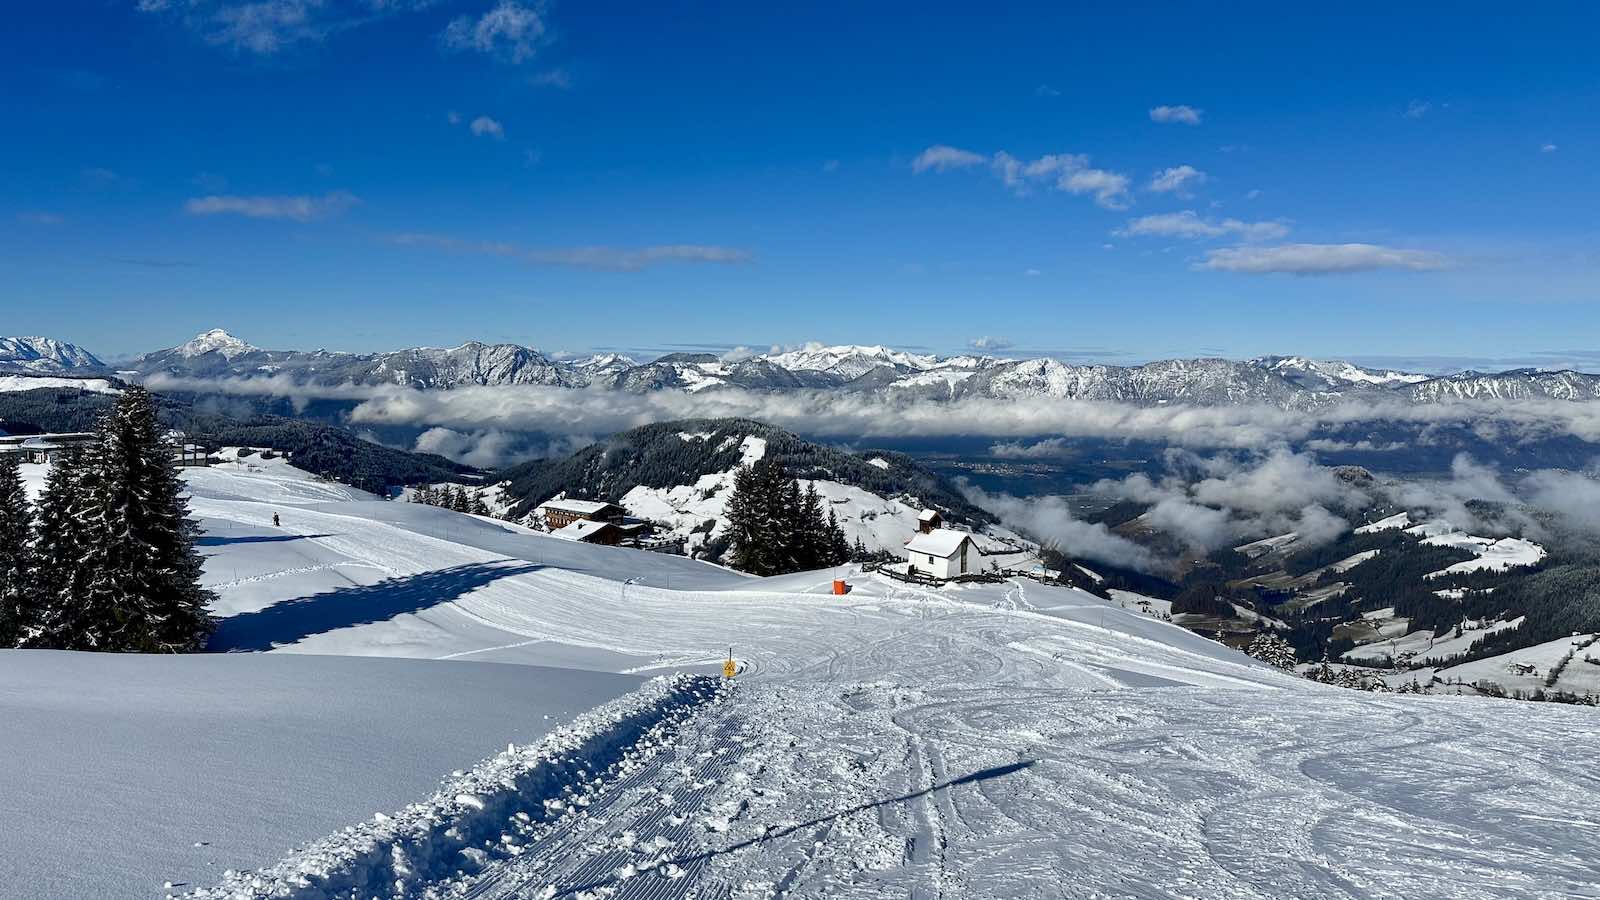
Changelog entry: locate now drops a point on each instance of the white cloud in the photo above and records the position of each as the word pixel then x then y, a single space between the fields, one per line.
pixel 1031 273
pixel 1187 224
pixel 1548 148
pixel 1186 115
pixel 988 342
pixel 297 208
pixel 510 32
pixel 1110 189
pixel 1177 180
pixel 616 259
pixel 453 117
pixel 943 158
pixel 1320 259
pixel 1252 194
pixel 1416 109
pixel 1066 172
pixel 1045 90
pixel 40 218
pixel 1050 520
pixel 483 126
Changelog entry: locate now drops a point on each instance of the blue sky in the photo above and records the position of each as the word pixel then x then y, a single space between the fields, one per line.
pixel 1138 182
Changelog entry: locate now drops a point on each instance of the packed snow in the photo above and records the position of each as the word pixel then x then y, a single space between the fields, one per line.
pixel 989 740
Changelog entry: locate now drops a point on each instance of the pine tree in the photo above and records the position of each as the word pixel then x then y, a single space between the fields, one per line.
pixel 62 540
pixel 1272 650
pixel 143 589
pixel 838 547
pixel 812 550
pixel 478 507
pixel 746 514
pixel 18 592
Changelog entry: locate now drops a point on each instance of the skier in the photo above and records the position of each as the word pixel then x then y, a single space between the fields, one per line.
pixel 274 520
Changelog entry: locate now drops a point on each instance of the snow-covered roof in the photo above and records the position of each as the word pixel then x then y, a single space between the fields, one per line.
pixel 928 515
pixel 940 542
pixel 580 507
pixel 582 530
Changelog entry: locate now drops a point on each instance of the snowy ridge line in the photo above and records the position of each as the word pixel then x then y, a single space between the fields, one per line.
pixel 391 855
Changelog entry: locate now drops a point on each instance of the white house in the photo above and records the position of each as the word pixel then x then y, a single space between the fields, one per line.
pixel 942 553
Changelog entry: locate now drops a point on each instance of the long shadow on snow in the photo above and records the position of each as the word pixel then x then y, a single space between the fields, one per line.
pixel 288 621
pixel 980 775
pixel 217 540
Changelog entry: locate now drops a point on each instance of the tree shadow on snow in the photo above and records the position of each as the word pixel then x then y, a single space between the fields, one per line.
pixel 218 540
pixel 774 834
pixel 288 621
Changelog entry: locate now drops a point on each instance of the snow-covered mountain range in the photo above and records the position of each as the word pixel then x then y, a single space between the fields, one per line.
pixel 1290 382
pixel 44 356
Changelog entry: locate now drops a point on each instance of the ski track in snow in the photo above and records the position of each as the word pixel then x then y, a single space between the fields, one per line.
pixel 1009 740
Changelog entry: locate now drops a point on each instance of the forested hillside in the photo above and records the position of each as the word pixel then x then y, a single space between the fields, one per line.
pixel 659 456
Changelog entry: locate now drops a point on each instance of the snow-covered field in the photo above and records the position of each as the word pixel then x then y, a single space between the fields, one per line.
pixel 1007 740
pixel 121 773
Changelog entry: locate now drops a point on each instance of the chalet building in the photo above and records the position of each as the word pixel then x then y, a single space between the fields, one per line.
pixel 558 514
pixel 943 553
pixel 929 521
pixel 41 448
pixel 587 531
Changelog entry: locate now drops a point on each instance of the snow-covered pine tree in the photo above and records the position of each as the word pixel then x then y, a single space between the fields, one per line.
pixel 143 592
pixel 18 592
pixel 1273 650
pixel 62 536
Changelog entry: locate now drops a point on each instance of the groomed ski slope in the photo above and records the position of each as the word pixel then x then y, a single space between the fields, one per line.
pixel 1009 740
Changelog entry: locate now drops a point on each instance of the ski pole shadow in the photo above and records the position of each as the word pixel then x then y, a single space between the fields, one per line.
pixel 777 833
pixel 288 621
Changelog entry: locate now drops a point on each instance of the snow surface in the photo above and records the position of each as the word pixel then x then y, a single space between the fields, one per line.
pixel 987 740
pixel 1578 677
pixel 1398 520
pixel 34 382
pixel 1422 647
pixel 1494 555
pixel 126 772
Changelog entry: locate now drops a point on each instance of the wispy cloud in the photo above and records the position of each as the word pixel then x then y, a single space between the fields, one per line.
pixel 557 78
pixel 300 208
pixel 1180 114
pixel 1177 180
pixel 40 218
pixel 145 262
pixel 1416 109
pixel 1045 90
pixel 944 158
pixel 1321 259
pixel 616 259
pixel 988 342
pixel 1548 148
pixel 509 32
pixel 1066 172
pixel 1187 224
pixel 483 126
pixel 267 27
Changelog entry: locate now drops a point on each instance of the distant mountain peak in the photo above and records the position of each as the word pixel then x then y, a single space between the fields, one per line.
pixel 215 341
